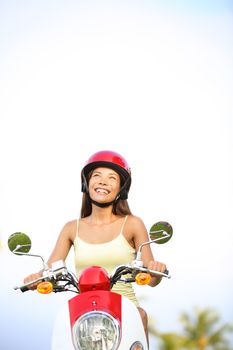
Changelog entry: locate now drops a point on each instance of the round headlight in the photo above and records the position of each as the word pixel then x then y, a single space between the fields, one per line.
pixel 96 330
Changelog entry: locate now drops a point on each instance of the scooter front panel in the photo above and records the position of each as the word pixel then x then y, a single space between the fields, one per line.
pixel 131 324
pixel 94 301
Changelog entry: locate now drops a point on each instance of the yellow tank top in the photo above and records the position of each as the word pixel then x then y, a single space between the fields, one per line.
pixel 107 255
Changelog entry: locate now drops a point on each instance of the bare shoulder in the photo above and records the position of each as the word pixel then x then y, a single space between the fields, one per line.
pixel 136 222
pixel 137 231
pixel 69 230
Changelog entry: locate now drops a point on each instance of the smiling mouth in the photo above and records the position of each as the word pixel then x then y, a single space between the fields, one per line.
pixel 101 191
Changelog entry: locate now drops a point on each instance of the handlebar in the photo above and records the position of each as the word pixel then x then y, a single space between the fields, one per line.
pixel 134 269
pixel 26 287
pixel 61 274
pixel 154 273
pixel 56 275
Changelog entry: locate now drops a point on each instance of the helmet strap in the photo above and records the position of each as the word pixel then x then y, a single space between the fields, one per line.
pixel 104 205
pixel 84 187
pixel 101 205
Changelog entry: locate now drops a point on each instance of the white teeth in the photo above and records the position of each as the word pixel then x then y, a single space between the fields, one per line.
pixel 100 190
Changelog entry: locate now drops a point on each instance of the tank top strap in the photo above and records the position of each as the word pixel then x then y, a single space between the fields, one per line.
pixel 77 228
pixel 123 225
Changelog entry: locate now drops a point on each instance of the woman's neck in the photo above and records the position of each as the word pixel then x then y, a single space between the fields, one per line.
pixel 101 215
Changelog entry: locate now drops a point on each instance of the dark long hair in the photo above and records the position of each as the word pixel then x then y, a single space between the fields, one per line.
pixel 120 207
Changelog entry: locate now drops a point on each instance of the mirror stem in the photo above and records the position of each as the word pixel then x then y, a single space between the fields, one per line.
pixel 45 266
pixel 139 253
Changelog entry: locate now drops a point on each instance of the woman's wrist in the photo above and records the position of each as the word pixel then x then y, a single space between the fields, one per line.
pixel 155 281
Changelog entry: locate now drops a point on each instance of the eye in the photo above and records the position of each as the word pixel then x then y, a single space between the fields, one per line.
pixel 95 175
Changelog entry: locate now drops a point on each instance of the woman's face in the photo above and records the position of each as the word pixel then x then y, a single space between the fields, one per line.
pixel 104 185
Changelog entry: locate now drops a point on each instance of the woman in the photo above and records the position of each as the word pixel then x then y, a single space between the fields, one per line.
pixel 107 234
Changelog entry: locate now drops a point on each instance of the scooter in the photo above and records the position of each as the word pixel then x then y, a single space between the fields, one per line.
pixel 96 318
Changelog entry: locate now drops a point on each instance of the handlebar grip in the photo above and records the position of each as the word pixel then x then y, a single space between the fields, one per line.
pixel 24 289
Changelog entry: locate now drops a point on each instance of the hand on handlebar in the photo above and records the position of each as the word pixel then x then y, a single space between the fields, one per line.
pixel 156 266
pixel 31 278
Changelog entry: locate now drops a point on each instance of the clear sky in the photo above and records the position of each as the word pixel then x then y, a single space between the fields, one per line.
pixel 149 79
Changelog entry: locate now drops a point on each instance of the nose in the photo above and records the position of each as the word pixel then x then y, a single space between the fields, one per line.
pixel 103 180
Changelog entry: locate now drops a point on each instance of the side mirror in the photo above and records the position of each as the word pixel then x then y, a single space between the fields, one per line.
pixel 19 243
pixel 161 232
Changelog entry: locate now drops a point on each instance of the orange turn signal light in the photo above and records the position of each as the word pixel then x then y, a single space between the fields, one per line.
pixel 45 287
pixel 143 278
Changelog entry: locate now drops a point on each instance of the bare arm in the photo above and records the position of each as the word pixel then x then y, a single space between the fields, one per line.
pixel 140 235
pixel 64 243
pixel 60 251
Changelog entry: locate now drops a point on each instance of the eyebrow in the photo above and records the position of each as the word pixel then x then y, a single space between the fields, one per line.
pixel 110 173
